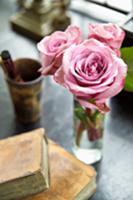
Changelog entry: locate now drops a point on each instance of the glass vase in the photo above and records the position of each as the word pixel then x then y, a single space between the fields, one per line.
pixel 88 134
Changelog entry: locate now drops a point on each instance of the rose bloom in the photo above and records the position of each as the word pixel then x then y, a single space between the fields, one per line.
pixel 92 73
pixel 110 34
pixel 52 48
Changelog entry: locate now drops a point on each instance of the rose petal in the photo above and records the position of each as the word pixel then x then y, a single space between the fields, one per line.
pixel 119 81
pixel 109 34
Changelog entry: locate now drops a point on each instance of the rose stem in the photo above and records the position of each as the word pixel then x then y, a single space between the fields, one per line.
pixel 79 129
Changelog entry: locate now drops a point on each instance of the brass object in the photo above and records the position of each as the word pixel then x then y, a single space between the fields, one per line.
pixel 41 17
pixel 61 20
pixel 26 96
pixel 20 3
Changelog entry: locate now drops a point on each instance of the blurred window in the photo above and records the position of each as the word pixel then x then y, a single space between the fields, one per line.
pixel 114 11
pixel 119 5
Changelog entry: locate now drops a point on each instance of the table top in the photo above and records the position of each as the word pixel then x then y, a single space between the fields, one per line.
pixel 115 174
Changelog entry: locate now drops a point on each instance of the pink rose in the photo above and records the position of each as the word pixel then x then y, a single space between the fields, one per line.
pixel 92 73
pixel 110 34
pixel 52 48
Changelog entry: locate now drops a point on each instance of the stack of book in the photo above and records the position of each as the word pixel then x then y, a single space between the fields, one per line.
pixel 26 171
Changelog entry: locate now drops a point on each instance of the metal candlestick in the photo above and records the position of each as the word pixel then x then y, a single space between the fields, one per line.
pixel 39 18
pixel 61 21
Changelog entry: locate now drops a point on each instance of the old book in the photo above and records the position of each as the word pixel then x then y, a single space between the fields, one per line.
pixel 23 165
pixel 70 178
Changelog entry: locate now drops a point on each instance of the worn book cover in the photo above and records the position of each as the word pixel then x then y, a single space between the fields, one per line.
pixel 23 165
pixel 70 179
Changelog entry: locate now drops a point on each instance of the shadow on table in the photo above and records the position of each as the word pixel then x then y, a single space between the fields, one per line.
pixel 21 128
pixel 123 103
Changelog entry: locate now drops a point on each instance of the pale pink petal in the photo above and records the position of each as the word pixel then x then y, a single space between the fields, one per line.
pixel 46 60
pixel 87 104
pixel 101 106
pixel 74 34
pixel 43 47
pixel 119 81
pixel 110 34
pixel 59 76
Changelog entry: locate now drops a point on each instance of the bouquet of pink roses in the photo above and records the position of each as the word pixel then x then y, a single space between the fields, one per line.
pixel 90 69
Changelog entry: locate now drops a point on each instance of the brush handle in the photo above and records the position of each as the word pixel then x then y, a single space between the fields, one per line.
pixel 9 66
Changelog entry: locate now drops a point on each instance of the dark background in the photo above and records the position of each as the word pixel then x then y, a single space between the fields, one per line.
pixel 115 171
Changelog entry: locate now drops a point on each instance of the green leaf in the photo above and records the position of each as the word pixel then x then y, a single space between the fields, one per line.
pixel 127 55
pixel 95 115
pixel 80 113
